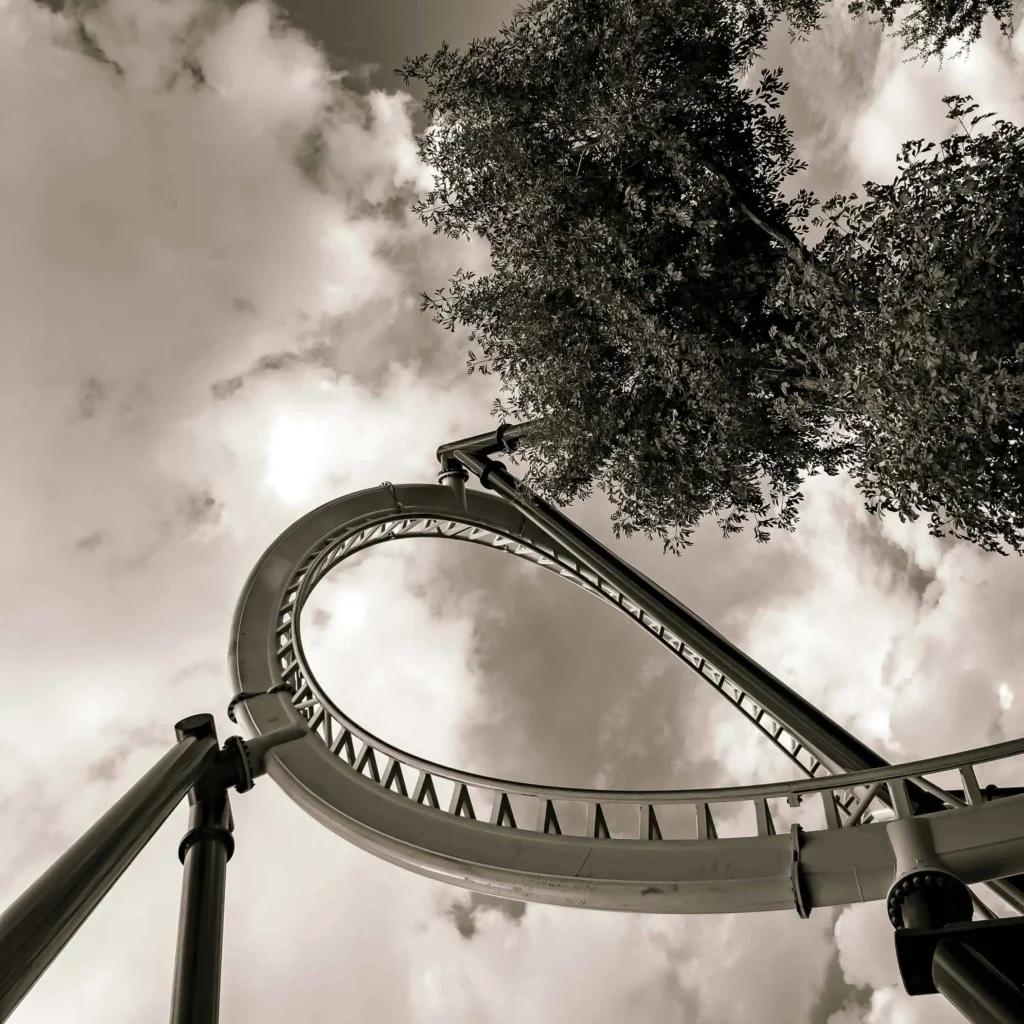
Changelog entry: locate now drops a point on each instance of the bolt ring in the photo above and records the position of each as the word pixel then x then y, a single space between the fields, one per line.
pixel 195 835
pixel 957 905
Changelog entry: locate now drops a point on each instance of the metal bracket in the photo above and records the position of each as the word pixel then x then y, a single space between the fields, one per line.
pixel 801 897
pixel 206 831
pixel 499 437
pixel 489 468
pixel 391 488
pixel 246 695
pixel 455 479
pixel 235 701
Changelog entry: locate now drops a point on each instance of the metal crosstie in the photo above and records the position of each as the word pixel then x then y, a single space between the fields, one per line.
pixel 868 831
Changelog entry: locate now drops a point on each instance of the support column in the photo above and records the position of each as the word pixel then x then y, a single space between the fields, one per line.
pixel 924 901
pixel 204 851
pixel 983 994
pixel 43 919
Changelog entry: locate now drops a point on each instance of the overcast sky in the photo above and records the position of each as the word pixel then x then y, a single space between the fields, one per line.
pixel 205 336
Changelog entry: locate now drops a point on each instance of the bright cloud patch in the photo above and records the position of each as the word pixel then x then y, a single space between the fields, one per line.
pixel 204 333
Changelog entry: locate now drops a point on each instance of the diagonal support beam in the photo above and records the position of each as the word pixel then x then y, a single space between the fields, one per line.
pixel 830 743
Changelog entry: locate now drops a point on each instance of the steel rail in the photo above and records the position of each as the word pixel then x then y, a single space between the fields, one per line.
pixel 494 524
pixel 652 872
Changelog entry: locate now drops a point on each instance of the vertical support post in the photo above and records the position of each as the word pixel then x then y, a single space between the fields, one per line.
pixel 204 851
pixel 456 479
pixel 38 925
pixel 983 994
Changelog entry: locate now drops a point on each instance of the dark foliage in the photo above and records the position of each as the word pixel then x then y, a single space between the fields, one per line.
pixel 652 298
pixel 629 190
pixel 929 26
pixel 933 391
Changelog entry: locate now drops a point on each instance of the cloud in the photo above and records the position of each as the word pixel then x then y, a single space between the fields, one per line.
pixel 857 96
pixel 905 101
pixel 838 995
pixel 163 238
pixel 466 912
pixel 832 77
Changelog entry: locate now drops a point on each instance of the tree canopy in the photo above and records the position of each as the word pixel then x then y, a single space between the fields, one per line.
pixel 651 295
pixel 935 396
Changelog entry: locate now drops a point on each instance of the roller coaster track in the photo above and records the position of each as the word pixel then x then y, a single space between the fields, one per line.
pixel 652 851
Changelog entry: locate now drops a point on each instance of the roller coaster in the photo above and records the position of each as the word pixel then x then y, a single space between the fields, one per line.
pixel 854 828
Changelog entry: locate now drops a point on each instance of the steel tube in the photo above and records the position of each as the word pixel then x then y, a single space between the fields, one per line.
pixel 196 998
pixel 837 749
pixel 858 809
pixel 1011 890
pixel 488 444
pixel 981 993
pixel 43 919
pixel 205 851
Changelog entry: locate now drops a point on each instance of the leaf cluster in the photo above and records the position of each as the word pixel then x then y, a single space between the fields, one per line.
pixel 652 299
pixel 927 27
pixel 932 388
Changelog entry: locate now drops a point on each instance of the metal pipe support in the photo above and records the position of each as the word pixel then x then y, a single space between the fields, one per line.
pixel 205 851
pixel 983 994
pixel 43 919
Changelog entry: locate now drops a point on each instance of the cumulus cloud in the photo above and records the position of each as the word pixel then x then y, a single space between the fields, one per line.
pixel 905 100
pixel 165 234
pixel 857 96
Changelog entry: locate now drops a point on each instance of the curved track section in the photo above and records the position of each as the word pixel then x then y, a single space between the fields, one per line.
pixel 654 851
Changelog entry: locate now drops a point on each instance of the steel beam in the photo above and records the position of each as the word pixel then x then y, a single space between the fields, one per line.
pixel 837 749
pixel 505 438
pixel 830 743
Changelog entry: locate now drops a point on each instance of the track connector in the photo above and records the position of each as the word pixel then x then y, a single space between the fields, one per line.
pixel 455 478
pixel 246 695
pixel 801 897
pixel 391 489
pixel 925 893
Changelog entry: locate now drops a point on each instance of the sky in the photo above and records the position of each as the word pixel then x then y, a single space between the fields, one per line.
pixel 206 333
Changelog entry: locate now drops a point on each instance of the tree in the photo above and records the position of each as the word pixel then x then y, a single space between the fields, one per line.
pixel 630 193
pixel 935 395
pixel 652 298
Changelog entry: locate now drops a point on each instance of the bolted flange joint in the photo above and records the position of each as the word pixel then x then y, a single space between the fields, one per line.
pixel 925 893
pixel 929 898
pixel 451 477
pixel 237 751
